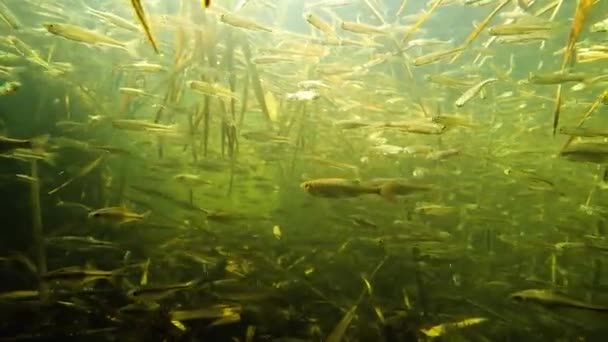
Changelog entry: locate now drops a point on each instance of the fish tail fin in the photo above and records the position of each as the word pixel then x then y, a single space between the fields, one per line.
pixel 51 159
pixel 39 142
pixel 132 48
pixel 387 191
pixel 117 276
pixel 194 282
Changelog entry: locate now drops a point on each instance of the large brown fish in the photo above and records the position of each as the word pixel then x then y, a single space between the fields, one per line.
pixel 345 188
pixel 555 299
pixel 337 188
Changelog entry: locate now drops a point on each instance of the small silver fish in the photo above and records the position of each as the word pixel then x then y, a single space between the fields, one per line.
pixel 120 214
pixel 473 91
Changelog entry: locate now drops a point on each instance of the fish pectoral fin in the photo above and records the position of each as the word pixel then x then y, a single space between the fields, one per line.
pixel 132 47
pixel 387 191
pixel 127 220
pixel 39 142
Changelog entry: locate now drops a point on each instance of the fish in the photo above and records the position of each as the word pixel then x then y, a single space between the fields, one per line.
pixel 76 242
pixel 441 329
pixel 65 204
pixel 473 91
pixel 517 29
pixel 114 19
pixel 155 293
pixel 436 56
pixel 434 209
pixel 145 126
pixel 362 28
pixel 9 72
pixel 428 42
pixel 212 89
pixel 557 78
pixel 551 298
pixel 302 95
pixel 119 214
pixel 142 66
pixel 443 154
pixel 19 295
pixel 9 17
pixel 327 4
pixel 76 275
pixel 26 154
pixel 27 51
pixel 19 177
pixel 362 222
pixel 216 311
pixel 83 35
pixel 141 15
pixel 9 144
pixel 191 180
pixel 241 22
pixel 523 38
pixel 8 57
pixel 135 91
pixel 351 124
pixel 478 2
pixel 338 332
pixel 400 187
pixel 272 59
pixel 264 136
pixel 600 26
pixel 9 88
pixel 318 23
pixel 586 151
pixel 416 126
pixel 345 188
pixel 312 84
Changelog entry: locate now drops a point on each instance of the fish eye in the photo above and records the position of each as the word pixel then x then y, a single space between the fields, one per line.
pixel 517 298
pixel 307 186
